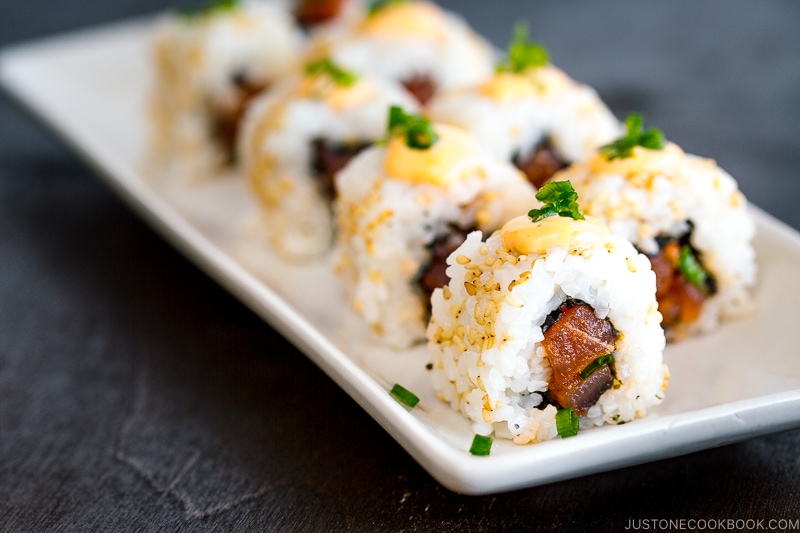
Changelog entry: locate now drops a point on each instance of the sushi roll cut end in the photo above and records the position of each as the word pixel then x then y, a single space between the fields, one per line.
pixel 552 313
pixel 403 206
pixel 685 213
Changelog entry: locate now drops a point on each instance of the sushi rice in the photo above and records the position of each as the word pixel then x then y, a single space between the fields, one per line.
pixel 486 330
pixel 200 60
pixel 667 193
pixel 388 219
pixel 407 40
pixel 277 155
pixel 511 112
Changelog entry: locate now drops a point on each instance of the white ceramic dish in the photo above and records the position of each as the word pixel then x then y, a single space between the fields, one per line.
pixel 743 381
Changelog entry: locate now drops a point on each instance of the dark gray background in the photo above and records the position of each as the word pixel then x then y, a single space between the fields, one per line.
pixel 135 394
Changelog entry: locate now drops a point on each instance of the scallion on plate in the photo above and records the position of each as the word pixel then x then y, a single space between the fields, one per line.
pixel 404 396
pixel 567 422
pixel 481 445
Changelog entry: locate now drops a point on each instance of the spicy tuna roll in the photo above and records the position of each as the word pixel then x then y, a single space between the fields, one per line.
pixel 414 42
pixel 683 211
pixel 548 324
pixel 403 207
pixel 298 136
pixel 530 112
pixel 209 63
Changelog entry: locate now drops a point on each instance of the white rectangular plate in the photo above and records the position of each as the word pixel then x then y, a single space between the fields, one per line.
pixel 742 381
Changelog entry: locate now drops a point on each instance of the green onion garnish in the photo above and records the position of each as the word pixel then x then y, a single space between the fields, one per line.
pixel 418 130
pixel 623 147
pixel 340 76
pixel 404 396
pixel 691 268
pixel 596 364
pixel 211 8
pixel 523 54
pixel 481 445
pixel 567 422
pixel 377 5
pixel 559 199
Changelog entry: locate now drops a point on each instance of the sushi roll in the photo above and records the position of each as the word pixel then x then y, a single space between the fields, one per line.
pixel 683 211
pixel 403 207
pixel 547 326
pixel 209 64
pixel 414 42
pixel 530 112
pixel 298 136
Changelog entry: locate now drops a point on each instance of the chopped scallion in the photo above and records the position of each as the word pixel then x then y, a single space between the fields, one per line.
pixel 596 364
pixel 651 139
pixel 567 422
pixel 481 445
pixel 404 396
pixel 377 5
pixel 691 268
pixel 340 76
pixel 522 53
pixel 418 130
pixel 559 199
pixel 211 8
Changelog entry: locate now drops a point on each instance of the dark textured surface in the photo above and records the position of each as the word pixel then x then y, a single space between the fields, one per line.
pixel 137 395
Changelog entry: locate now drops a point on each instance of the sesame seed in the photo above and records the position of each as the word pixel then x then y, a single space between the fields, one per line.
pixel 513 301
pixel 462 346
pixel 486 402
pixel 473 335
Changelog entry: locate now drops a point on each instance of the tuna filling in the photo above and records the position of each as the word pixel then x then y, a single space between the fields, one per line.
pixel 226 120
pixel 433 274
pixel 310 13
pixel 328 158
pixel 421 86
pixel 682 286
pixel 540 163
pixel 574 338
